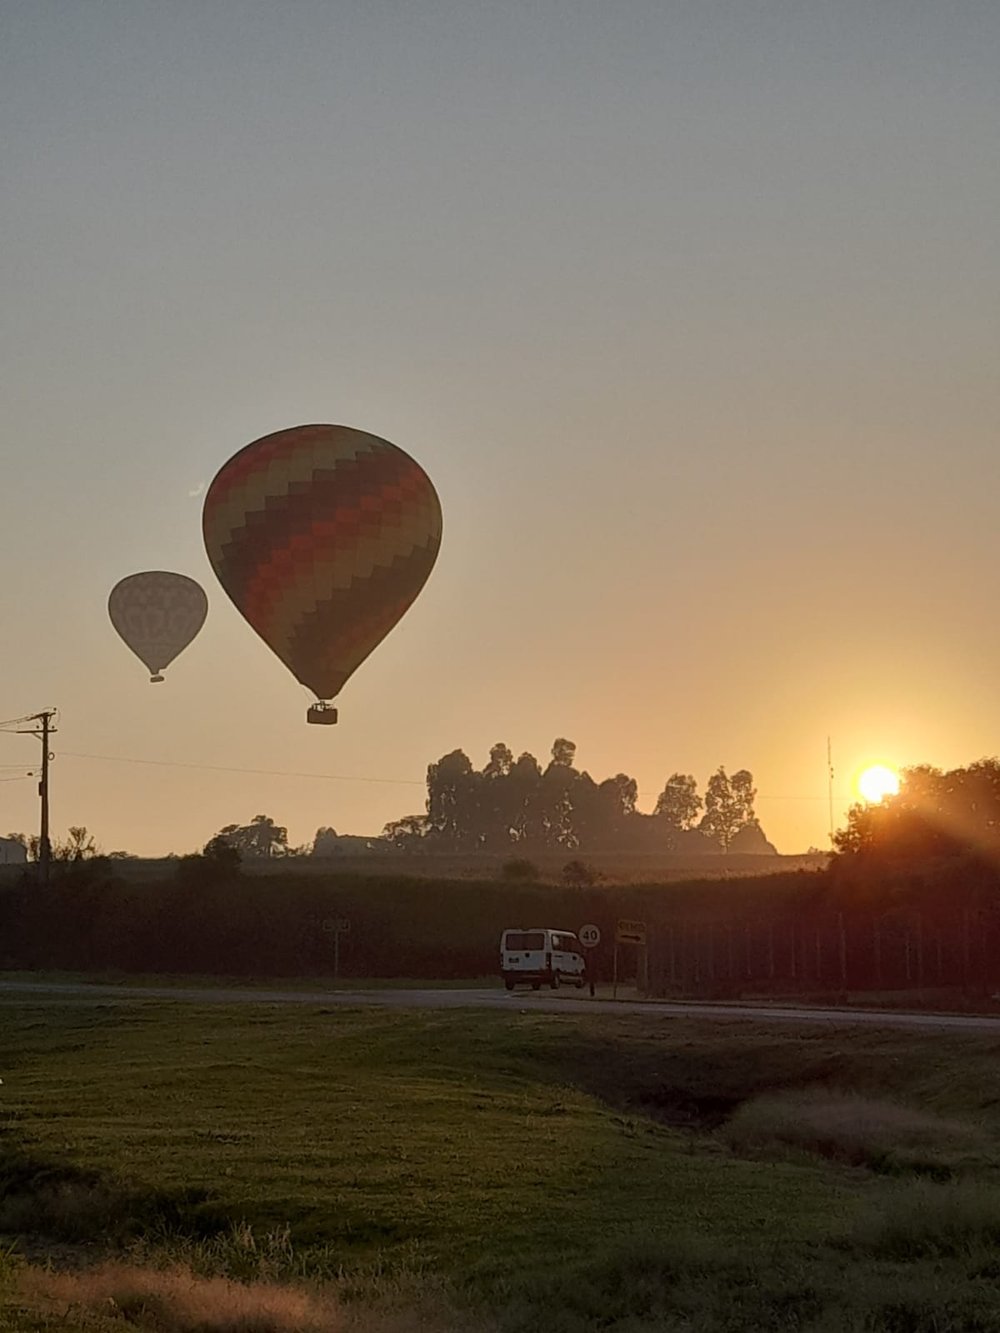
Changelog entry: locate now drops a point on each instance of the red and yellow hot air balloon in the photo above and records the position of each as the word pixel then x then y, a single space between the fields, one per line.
pixel 322 536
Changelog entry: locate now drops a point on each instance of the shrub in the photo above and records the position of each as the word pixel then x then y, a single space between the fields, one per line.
pixel 579 875
pixel 520 870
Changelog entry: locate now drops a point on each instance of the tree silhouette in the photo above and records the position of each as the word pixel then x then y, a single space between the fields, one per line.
pixel 407 834
pixel 678 804
pixel 260 838
pixel 728 805
pixel 563 752
pixel 452 814
pixel 513 806
pixel 935 814
pixel 79 846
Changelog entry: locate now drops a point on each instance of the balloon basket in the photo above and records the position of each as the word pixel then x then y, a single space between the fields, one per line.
pixel 322 715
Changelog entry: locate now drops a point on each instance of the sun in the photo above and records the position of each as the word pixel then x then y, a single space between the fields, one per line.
pixel 878 782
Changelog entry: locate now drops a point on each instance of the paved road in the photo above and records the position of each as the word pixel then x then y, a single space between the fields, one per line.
pixel 527 1001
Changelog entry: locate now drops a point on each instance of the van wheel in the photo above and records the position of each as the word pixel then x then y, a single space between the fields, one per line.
pixel 509 984
pixel 554 983
pixel 536 985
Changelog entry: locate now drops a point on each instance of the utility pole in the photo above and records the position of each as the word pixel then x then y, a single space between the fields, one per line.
pixel 43 731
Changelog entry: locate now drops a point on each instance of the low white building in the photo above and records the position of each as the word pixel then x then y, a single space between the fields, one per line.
pixel 12 853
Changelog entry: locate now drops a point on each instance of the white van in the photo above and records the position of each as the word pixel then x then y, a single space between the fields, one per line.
pixel 533 956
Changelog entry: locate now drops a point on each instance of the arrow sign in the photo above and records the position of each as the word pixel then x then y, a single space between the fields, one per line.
pixel 630 932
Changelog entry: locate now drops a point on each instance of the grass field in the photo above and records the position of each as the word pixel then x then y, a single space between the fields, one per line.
pixel 467 1170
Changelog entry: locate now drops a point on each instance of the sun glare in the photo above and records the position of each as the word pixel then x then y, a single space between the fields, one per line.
pixel 878 782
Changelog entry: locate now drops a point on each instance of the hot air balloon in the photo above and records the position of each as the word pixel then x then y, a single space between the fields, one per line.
pixel 322 536
pixel 157 614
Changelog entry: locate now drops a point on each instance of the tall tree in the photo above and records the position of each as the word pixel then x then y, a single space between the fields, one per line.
pixel 497 807
pixel 525 780
pixel 725 806
pixel 555 796
pixel 452 801
pixel 501 762
pixel 744 793
pixel 678 804
pixel 563 752
pixel 615 810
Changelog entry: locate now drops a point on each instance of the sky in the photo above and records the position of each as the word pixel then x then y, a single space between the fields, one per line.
pixel 690 309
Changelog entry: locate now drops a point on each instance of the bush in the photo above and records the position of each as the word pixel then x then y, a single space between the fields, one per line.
pixel 579 875
pixel 520 870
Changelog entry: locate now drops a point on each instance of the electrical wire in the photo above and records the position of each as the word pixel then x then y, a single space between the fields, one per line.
pixel 326 777
pixel 256 772
pixel 30 717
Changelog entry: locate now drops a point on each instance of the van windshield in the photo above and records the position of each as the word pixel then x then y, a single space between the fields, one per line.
pixel 522 940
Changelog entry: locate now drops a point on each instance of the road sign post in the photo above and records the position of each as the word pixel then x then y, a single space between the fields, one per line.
pixel 590 937
pixel 336 926
pixel 627 932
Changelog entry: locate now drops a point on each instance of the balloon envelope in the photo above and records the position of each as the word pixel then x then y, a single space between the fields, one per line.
pixel 157 614
pixel 322 536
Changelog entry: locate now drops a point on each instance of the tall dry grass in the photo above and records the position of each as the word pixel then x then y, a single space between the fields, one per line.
pixel 860 1131
pixel 178 1300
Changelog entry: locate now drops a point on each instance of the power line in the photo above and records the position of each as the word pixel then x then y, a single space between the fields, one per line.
pixel 323 777
pixel 256 772
pixel 28 717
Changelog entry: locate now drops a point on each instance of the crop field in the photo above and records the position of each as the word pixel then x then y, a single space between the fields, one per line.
pixel 168 1167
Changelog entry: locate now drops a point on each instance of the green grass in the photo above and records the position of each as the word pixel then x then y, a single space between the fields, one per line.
pixel 562 1172
pixel 215 982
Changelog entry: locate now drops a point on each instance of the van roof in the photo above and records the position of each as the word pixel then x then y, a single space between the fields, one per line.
pixel 560 930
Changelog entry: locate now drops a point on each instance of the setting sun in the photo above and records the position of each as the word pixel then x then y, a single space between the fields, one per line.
pixel 877 782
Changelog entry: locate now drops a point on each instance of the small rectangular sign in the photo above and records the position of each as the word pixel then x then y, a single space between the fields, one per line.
pixel 630 932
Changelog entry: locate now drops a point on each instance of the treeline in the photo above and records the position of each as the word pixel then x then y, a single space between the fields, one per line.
pixel 516 805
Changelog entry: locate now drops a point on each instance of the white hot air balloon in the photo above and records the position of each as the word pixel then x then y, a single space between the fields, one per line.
pixel 157 614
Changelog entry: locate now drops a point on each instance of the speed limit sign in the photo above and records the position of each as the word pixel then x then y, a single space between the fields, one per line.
pixel 590 936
